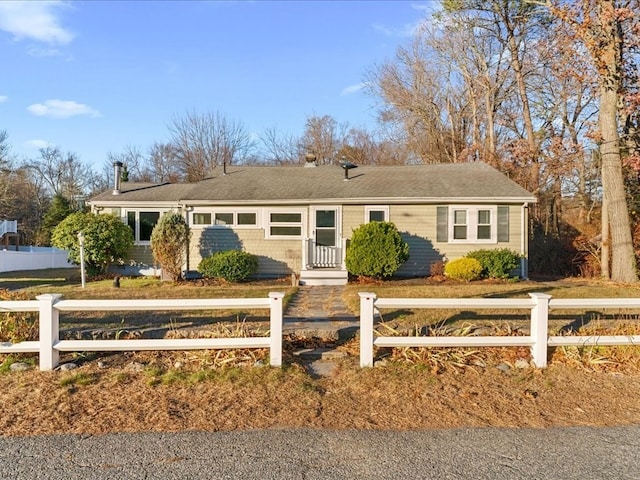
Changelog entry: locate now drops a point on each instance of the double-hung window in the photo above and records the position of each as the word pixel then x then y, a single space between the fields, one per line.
pixel 473 224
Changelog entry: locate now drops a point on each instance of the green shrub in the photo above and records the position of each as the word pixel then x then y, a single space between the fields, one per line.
pixel 376 250
pixel 106 240
pixel 232 265
pixel 466 269
pixel 169 240
pixel 498 263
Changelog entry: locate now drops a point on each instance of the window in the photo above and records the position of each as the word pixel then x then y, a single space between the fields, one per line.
pixel 224 218
pixel 141 223
pixel 284 224
pixel 484 225
pixel 472 224
pixel 376 214
pixel 459 224
pixel 247 218
pixel 201 219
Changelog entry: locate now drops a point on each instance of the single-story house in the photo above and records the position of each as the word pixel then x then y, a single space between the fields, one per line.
pixel 298 219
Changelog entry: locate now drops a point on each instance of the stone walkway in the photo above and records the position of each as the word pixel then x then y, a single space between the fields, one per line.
pixel 318 311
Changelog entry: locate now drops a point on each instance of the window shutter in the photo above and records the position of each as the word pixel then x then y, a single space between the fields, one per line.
pixel 442 232
pixel 503 224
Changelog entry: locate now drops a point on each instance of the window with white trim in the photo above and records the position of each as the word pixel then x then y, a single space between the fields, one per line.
pixel 376 214
pixel 284 224
pixel 468 224
pixel 224 218
pixel 141 223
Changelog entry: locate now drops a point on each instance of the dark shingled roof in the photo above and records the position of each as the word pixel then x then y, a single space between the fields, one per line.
pixel 246 184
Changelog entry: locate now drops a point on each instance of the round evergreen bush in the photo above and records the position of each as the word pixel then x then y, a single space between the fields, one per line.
pixel 376 250
pixel 466 269
pixel 106 240
pixel 497 263
pixel 231 265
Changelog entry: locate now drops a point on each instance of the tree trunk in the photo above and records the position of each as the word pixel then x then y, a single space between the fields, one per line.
pixel 605 250
pixel 623 261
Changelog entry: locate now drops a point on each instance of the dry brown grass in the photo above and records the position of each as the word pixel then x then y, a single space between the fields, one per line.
pixel 419 388
pixel 91 400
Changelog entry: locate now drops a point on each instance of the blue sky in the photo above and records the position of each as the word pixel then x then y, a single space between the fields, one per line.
pixel 94 77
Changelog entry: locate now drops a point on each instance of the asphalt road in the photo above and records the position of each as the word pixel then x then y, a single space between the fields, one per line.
pixel 486 453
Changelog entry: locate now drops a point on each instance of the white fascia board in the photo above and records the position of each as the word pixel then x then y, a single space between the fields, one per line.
pixel 363 200
pixel 132 204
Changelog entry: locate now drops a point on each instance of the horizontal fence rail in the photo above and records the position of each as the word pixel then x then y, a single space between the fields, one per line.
pixel 49 344
pixel 538 339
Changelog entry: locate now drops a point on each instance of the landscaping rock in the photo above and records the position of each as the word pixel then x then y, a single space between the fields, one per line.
pixel 102 364
pixel 19 367
pixel 67 366
pixel 135 367
pixel 178 365
pixel 503 367
pixel 381 363
pixel 522 363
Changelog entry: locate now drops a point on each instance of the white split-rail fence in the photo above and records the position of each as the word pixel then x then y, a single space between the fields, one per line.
pixel 538 339
pixel 49 344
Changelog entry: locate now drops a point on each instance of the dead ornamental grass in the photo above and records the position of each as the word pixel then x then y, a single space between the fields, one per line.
pixel 93 401
pixel 429 388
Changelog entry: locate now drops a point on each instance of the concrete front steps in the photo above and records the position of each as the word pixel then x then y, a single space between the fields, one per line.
pixel 323 276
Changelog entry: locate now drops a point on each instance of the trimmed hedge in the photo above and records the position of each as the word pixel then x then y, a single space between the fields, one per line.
pixel 376 250
pixel 231 265
pixel 497 263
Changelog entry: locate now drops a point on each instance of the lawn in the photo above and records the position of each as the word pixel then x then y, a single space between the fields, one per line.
pixel 212 390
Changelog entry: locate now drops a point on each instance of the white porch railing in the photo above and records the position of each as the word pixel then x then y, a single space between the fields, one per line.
pixel 8 226
pixel 49 345
pixel 322 256
pixel 538 339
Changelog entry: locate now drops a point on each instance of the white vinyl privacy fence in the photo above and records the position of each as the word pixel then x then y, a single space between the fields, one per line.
pixel 49 344
pixel 33 258
pixel 538 339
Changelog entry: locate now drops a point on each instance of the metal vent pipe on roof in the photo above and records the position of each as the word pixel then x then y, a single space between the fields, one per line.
pixel 117 177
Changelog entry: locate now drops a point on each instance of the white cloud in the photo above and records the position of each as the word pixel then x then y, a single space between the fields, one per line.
pixel 34 20
pixel 407 30
pixel 3 98
pixel 352 89
pixel 62 109
pixel 37 144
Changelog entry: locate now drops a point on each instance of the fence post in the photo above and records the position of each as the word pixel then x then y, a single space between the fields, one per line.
pixel 366 328
pixel 275 329
pixel 540 328
pixel 49 326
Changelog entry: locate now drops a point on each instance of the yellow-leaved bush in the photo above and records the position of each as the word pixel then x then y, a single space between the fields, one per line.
pixel 466 269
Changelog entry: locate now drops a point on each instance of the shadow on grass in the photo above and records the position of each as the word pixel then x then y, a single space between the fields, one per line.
pixel 37 278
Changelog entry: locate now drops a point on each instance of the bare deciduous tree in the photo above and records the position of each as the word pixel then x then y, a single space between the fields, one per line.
pixel 280 149
pixel 323 137
pixel 203 141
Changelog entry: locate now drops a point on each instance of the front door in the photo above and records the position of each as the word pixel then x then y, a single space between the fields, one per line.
pixel 326 251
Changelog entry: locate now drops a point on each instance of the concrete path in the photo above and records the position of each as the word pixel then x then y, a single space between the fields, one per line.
pixel 320 312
